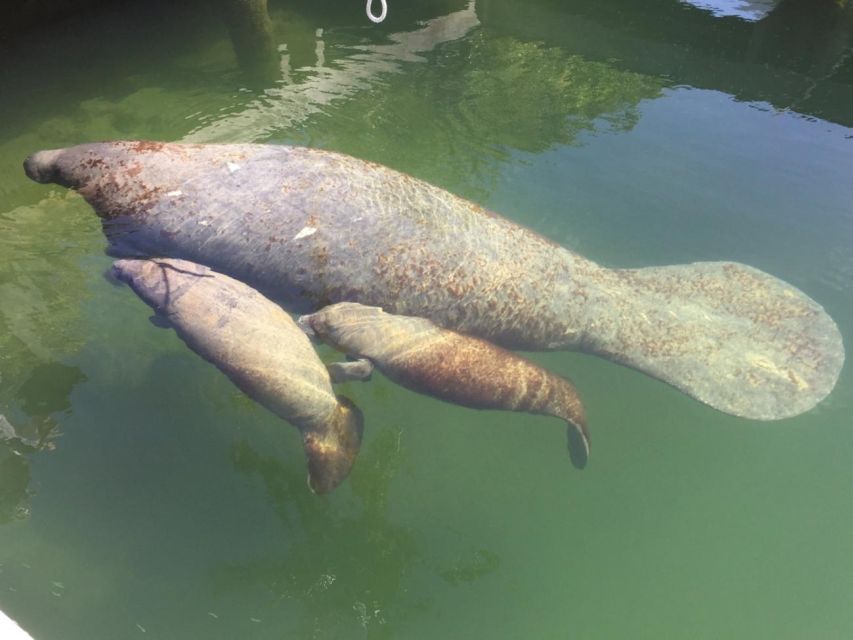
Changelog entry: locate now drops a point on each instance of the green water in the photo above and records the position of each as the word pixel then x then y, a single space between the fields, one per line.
pixel 164 504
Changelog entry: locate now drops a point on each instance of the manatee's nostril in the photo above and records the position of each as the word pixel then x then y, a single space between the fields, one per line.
pixel 304 323
pixel 31 168
pixel 41 166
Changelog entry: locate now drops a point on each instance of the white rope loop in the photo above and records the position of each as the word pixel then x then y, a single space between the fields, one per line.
pixel 381 16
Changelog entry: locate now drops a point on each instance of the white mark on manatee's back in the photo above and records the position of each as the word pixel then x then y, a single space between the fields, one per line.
pixel 306 231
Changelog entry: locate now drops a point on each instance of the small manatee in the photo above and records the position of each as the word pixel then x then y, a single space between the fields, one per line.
pixel 423 357
pixel 261 350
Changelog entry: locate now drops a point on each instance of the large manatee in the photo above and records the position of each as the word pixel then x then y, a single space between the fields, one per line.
pixel 421 356
pixel 261 350
pixel 310 227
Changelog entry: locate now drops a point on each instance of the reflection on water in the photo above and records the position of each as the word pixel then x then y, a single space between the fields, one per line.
pixel 41 289
pixel 252 37
pixel 797 57
pixel 14 484
pixel 34 402
pixel 814 39
pixel 289 105
pixel 507 95
pixel 47 388
pixel 362 558
pixel 41 281
pixel 344 567
pixel 746 9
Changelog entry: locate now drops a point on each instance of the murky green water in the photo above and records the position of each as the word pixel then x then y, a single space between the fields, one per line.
pixel 164 504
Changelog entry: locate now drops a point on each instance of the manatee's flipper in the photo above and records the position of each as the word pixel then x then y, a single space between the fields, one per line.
pixel 160 321
pixel 732 336
pixel 578 445
pixel 360 369
pixel 332 448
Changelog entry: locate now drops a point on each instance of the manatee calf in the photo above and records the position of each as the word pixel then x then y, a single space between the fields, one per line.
pixel 261 349
pixel 310 227
pixel 423 357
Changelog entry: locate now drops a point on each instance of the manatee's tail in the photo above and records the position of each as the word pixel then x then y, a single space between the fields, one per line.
pixel 578 438
pixel 558 397
pixel 331 449
pixel 729 335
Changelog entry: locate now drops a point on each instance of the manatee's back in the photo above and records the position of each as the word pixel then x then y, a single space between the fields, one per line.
pixel 309 227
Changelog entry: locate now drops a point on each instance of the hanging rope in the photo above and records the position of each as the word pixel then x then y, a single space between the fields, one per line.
pixel 381 16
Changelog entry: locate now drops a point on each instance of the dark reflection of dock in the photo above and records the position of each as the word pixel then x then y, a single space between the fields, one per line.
pixel 42 286
pixel 798 57
pixel 43 394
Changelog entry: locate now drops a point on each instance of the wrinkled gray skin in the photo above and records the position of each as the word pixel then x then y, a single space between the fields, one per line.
pixel 310 227
pixel 261 350
pixel 451 366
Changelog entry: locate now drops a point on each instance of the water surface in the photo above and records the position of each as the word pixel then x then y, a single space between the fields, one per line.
pixel 163 503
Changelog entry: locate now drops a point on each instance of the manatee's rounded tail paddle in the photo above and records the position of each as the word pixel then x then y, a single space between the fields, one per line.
pixel 727 334
pixel 423 357
pixel 261 350
pixel 311 227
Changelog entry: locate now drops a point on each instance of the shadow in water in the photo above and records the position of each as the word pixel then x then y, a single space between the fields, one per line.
pixel 813 38
pixel 42 395
pixel 250 28
pixel 14 484
pixel 346 564
pixel 456 120
pixel 797 57
pixel 42 288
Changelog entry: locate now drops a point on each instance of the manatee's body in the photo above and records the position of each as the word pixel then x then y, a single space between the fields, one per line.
pixel 260 348
pixel 310 228
pixel 448 365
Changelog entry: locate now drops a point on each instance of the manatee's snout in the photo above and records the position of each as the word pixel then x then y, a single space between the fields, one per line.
pixel 42 166
pixel 317 325
pixel 304 323
pixel 125 270
pixel 327 323
pixel 74 167
pixel 147 278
